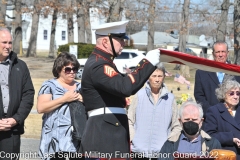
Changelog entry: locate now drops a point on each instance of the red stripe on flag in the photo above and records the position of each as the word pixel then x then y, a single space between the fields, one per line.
pixel 198 62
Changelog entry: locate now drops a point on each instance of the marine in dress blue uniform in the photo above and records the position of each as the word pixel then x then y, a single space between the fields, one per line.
pixel 104 90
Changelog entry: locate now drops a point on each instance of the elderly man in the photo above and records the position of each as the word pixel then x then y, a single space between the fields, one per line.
pixel 192 140
pixel 16 96
pixel 207 82
pixel 104 89
pixel 153 105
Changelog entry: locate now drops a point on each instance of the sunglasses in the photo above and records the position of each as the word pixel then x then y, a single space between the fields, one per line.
pixel 232 93
pixel 69 69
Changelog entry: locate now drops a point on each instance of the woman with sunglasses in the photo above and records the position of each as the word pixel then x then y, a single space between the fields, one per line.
pixel 223 120
pixel 53 98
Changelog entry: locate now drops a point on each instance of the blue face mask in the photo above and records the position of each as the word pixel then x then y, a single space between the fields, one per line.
pixel 190 127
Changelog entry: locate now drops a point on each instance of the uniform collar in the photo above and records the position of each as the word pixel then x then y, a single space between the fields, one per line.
pixel 104 54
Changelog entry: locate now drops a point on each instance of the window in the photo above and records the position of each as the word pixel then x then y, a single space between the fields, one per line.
pixel 45 15
pixel 45 34
pixel 63 35
pixel 123 55
pixel 64 16
pixel 134 55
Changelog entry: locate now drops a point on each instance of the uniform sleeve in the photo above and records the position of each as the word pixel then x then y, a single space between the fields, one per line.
pixel 211 127
pixel 132 116
pixel 108 79
pixel 175 125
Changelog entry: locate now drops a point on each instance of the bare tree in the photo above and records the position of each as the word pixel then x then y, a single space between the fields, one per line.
pixel 2 12
pixel 70 21
pixel 81 20
pixel 183 33
pixel 115 10
pixel 88 26
pixel 151 19
pixel 222 26
pixel 32 46
pixel 17 27
pixel 237 31
pixel 53 32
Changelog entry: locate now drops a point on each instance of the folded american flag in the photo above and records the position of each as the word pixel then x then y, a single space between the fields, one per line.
pixel 198 63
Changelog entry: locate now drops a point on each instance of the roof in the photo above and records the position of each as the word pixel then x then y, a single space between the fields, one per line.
pixel 160 38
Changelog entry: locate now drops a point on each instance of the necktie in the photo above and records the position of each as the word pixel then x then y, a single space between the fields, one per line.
pixel 220 77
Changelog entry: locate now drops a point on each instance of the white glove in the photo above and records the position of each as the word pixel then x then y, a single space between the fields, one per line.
pixel 153 56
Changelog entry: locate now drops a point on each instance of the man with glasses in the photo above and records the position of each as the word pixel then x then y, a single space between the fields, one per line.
pixel 207 82
pixel 104 90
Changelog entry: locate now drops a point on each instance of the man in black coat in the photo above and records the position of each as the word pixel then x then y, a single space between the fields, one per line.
pixel 207 82
pixel 16 96
pixel 104 90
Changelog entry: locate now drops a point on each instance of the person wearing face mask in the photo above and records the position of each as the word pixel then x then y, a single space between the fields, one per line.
pixel 223 119
pixel 192 139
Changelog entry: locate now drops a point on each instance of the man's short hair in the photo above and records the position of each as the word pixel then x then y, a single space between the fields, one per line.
pixel 219 42
pixel 192 103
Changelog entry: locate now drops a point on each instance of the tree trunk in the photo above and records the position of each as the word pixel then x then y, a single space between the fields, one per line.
pixel 17 23
pixel 32 45
pixel 236 20
pixel 151 19
pixel 88 26
pixel 70 21
pixel 3 12
pixel 81 20
pixel 183 35
pixel 222 26
pixel 53 32
pixel 114 11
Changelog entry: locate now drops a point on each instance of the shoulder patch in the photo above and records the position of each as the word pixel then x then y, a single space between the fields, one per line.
pixel 109 71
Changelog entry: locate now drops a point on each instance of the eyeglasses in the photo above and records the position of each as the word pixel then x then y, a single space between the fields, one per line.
pixel 232 93
pixel 69 69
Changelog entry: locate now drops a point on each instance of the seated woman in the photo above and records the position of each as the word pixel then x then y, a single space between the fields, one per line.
pixel 53 99
pixel 223 119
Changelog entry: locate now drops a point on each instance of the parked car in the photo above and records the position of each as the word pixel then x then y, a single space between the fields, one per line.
pixel 188 50
pixel 129 58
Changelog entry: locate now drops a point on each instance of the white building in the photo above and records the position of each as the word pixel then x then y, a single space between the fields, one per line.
pixel 44 28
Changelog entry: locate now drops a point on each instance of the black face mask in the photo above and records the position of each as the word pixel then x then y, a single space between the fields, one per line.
pixel 190 127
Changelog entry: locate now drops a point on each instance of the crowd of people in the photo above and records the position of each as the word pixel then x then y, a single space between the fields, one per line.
pixel 152 126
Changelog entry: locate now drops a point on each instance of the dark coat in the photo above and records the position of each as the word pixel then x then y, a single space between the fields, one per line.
pixel 21 93
pixel 221 125
pixel 205 86
pixel 104 86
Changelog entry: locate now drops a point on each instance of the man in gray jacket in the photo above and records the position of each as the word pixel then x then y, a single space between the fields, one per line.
pixel 152 117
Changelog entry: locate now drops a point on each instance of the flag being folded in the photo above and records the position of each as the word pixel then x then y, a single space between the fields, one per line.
pixel 198 63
